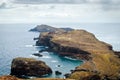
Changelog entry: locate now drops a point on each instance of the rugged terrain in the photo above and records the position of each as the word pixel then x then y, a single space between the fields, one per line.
pixel 100 62
pixel 29 67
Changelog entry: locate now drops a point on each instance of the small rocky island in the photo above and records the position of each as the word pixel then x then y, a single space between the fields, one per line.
pixel 29 67
pixel 101 62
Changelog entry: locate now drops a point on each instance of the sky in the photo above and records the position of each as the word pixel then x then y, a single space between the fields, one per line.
pixel 60 11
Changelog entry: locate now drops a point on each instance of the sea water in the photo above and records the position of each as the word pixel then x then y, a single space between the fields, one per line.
pixel 17 41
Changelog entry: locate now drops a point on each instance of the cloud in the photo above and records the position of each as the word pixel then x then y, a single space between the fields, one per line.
pixel 54 11
pixel 3 5
pixel 105 4
pixel 48 1
pixel 58 13
pixel 67 1
pixel 6 4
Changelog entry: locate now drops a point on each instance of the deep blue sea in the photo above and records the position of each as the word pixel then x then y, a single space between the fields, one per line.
pixel 17 41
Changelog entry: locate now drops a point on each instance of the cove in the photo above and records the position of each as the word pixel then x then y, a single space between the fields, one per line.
pixel 57 63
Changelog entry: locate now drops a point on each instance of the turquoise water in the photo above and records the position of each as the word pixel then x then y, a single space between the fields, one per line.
pixel 16 41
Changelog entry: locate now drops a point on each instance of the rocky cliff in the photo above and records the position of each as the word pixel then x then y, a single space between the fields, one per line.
pixel 78 44
pixel 29 67
pixel 100 61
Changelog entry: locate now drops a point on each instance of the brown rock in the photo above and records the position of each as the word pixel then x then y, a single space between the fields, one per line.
pixel 76 44
pixel 29 67
pixel 117 53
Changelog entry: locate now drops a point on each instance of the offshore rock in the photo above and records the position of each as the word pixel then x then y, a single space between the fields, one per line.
pixel 37 54
pixel 29 67
pixel 58 72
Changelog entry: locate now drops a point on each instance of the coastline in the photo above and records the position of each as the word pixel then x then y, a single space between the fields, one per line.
pixel 97 50
pixel 85 62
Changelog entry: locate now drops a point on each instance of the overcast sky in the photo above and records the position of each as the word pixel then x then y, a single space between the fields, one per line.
pixel 42 11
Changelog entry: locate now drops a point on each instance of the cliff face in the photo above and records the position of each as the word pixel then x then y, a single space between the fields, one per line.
pixel 78 44
pixel 29 67
pixel 101 62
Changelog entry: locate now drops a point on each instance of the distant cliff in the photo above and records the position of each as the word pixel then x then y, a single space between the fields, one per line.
pixel 47 28
pixel 100 60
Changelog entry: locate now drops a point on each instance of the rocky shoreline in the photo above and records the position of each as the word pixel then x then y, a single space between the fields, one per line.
pixel 66 45
pixel 100 59
pixel 101 62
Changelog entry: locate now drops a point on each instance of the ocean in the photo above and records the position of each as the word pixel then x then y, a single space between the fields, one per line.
pixel 17 41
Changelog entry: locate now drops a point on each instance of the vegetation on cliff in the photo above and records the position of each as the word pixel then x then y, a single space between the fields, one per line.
pixel 101 62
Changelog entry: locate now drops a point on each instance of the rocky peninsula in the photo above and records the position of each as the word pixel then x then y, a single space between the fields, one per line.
pixel 100 61
pixel 47 28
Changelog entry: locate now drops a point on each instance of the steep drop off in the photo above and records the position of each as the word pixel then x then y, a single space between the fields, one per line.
pixel 100 61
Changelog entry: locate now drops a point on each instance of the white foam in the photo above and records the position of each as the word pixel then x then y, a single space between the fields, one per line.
pixel 31 77
pixel 69 58
pixel 46 47
pixel 28 45
pixel 46 57
pixel 54 61
pixel 36 51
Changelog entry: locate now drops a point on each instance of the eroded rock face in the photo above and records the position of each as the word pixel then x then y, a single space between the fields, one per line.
pixel 29 67
pixel 101 62
pixel 117 53
pixel 78 44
